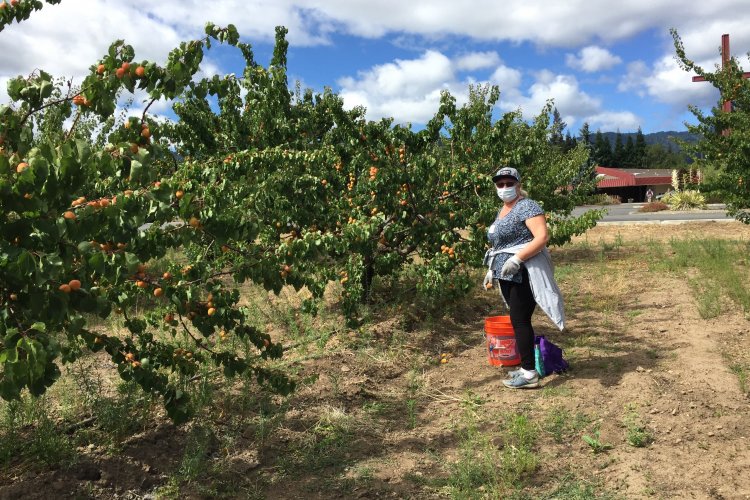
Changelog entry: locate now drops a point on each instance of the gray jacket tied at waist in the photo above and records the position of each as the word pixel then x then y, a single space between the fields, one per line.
pixel 542 280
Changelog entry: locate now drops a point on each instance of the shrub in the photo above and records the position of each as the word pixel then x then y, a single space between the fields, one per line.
pixel 656 206
pixel 665 197
pixel 714 197
pixel 688 199
pixel 604 199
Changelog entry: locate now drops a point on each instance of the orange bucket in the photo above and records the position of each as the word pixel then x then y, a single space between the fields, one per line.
pixel 501 341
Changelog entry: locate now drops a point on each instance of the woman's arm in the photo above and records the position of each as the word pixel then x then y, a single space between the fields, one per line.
pixel 538 227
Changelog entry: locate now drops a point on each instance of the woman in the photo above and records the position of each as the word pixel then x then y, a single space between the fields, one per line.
pixel 520 262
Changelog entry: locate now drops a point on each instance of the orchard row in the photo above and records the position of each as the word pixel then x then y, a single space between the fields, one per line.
pixel 252 182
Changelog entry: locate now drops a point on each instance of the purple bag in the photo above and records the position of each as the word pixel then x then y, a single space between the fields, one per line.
pixel 552 356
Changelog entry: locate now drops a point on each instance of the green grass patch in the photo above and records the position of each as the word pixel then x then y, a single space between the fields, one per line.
pixel 573 488
pixel 636 432
pixel 743 372
pixel 324 445
pixel 562 424
pixel 717 273
pixel 486 469
pixel 28 435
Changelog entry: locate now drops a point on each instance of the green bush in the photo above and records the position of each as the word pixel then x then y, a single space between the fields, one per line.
pixel 686 200
pixel 603 199
pixel 714 197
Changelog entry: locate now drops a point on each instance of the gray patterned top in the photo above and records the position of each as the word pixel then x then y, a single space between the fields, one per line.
pixel 510 231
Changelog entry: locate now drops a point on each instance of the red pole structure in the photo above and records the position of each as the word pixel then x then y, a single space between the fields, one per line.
pixel 725 55
pixel 727 104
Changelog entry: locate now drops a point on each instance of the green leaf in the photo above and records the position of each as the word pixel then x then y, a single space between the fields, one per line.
pixel 39 327
pixel 45 89
pixel 4 165
pixel 136 171
pixel 10 355
pixel 85 247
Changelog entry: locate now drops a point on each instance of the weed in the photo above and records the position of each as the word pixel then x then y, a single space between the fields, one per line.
pixel 637 434
pixel 324 445
pixel 363 476
pixel 195 458
pixel 573 488
pixel 742 372
pixel 716 271
pixel 335 378
pixel 595 442
pixel 710 258
pixel 708 296
pixel 411 412
pixel 560 423
pixel 477 465
pixel 28 434
pixel 564 272
pixel 562 391
pixel 652 353
pixel 413 389
pixel 519 459
pixel 268 416
pixel 129 399
pixel 375 408
pixel 614 246
pixel 482 467
pixel 632 314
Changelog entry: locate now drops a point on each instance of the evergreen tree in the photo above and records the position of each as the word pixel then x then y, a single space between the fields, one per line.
pixel 570 143
pixel 602 153
pixel 640 150
pixel 618 156
pixel 628 160
pixel 556 133
pixel 657 156
pixel 585 133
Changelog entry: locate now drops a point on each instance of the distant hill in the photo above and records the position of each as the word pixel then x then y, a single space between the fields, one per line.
pixel 662 138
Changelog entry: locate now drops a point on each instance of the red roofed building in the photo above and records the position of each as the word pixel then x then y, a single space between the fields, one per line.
pixel 632 183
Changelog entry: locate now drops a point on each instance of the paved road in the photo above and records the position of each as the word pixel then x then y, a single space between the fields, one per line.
pixel 628 212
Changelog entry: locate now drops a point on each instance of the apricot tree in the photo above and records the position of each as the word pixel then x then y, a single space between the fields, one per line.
pixel 86 226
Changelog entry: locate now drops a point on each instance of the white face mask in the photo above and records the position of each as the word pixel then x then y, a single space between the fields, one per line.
pixel 507 194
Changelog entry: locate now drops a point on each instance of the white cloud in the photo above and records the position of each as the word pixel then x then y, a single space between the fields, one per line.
pixel 65 39
pixel 668 83
pixel 637 73
pixel 569 99
pixel 506 77
pixel 408 90
pixel 592 59
pixel 405 77
pixel 624 121
pixel 477 60
pixel 4 99
pixel 543 22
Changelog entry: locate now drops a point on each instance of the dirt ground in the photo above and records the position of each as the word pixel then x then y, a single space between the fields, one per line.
pixel 636 344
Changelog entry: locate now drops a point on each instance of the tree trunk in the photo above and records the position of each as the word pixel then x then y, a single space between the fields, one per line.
pixel 367 278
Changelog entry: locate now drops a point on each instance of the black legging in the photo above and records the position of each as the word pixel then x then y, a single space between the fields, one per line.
pixel 522 304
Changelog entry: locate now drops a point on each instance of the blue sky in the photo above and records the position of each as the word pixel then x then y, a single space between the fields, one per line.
pixel 605 63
